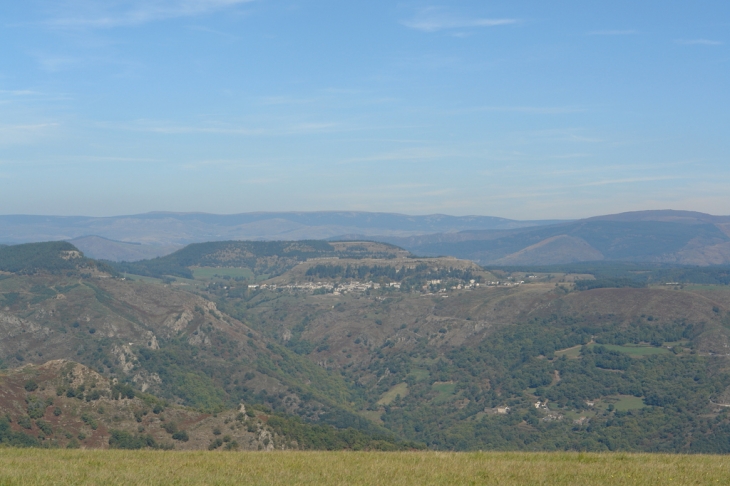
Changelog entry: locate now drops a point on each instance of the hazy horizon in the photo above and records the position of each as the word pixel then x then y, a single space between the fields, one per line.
pixel 521 110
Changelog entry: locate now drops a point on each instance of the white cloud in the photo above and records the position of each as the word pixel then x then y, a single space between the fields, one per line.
pixel 433 19
pixel 410 154
pixel 613 32
pixel 631 180
pixel 152 126
pixel 54 64
pixel 25 133
pixel 107 14
pixel 699 42
pixel 538 110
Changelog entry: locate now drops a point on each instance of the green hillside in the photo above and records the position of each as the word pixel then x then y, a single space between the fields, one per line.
pixel 52 257
pixel 64 404
pixel 261 257
pixel 659 239
pixel 424 351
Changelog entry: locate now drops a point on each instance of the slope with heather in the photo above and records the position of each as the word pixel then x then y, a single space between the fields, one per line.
pixel 436 351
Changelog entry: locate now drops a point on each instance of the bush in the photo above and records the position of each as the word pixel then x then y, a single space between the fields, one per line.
pixel 121 439
pixel 24 422
pixel 121 391
pixel 36 409
pixel 45 427
pixel 31 385
pixel 90 421
pixel 15 439
pixel 181 435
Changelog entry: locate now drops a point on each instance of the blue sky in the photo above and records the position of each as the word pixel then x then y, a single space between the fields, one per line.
pixel 520 109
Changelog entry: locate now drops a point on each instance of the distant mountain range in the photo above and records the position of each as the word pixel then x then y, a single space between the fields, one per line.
pixel 149 235
pixel 674 237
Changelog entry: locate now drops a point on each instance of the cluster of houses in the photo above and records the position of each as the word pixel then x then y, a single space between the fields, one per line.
pixel 356 286
pixel 353 286
pixel 504 284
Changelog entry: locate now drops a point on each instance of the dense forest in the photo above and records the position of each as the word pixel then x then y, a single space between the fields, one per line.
pixel 53 257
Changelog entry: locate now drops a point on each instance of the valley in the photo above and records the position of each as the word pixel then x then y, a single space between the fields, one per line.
pixel 365 338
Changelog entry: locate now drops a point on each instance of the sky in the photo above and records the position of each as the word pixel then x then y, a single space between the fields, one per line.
pixel 519 109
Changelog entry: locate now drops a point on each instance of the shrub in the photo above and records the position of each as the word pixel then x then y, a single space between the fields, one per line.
pixel 31 385
pixel 121 391
pixel 181 435
pixel 121 439
pixel 36 409
pixel 44 426
pixel 24 422
pixel 90 421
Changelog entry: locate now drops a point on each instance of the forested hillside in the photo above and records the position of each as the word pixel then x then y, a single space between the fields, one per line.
pixel 401 350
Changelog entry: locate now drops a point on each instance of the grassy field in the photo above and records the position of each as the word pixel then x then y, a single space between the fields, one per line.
pixel 208 273
pixel 445 390
pixel 399 389
pixel 51 467
pixel 634 350
pixel 570 353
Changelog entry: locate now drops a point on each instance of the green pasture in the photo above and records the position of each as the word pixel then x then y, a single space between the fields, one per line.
pixel 634 350
pixel 211 273
pixel 399 389
pixel 445 392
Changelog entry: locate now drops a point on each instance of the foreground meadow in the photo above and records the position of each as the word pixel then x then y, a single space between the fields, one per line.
pixel 45 467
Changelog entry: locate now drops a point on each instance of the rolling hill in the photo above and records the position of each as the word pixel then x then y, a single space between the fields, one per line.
pixel 140 236
pixel 671 237
pixel 366 337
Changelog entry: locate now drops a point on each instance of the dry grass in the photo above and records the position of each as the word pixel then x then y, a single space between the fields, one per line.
pixel 46 467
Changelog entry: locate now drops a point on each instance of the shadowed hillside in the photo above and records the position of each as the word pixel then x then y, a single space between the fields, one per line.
pixel 676 237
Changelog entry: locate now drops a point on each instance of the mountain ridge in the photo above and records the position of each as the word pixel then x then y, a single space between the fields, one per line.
pixel 667 236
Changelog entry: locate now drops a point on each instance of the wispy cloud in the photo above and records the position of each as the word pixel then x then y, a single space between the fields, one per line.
pixel 613 32
pixel 433 19
pixel 630 180
pixel 699 42
pixel 227 164
pixel 19 92
pixel 53 64
pixel 410 154
pixel 24 133
pixel 107 14
pixel 225 129
pixel 207 30
pixel 538 110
